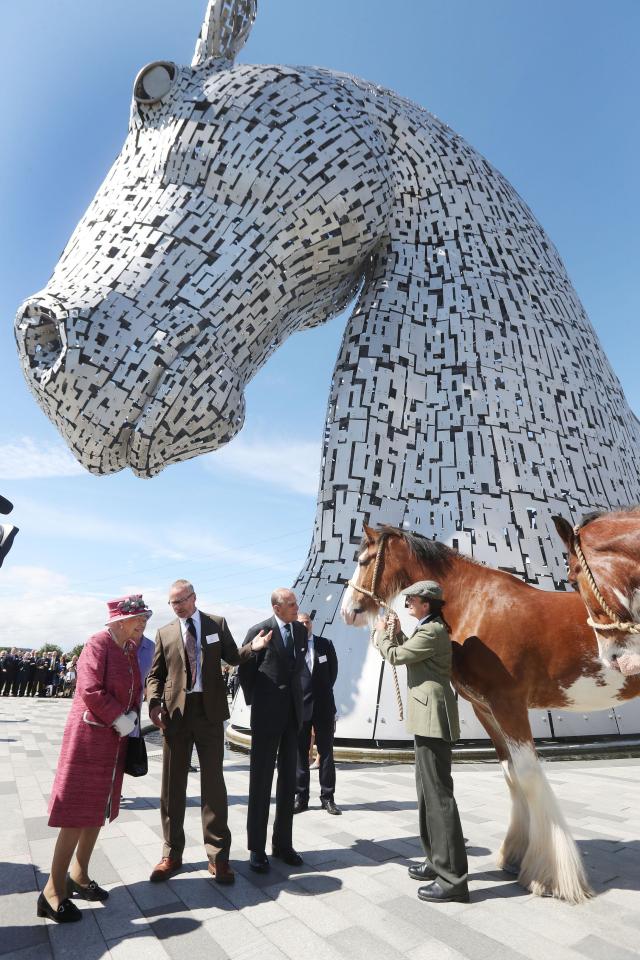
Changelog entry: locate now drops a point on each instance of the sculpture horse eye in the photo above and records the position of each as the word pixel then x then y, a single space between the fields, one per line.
pixel 154 81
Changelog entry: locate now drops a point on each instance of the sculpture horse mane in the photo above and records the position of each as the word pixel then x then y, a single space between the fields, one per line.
pixel 470 399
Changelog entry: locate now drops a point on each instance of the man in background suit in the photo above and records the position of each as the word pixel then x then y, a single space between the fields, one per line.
pixel 271 684
pixel 319 711
pixel 10 673
pixel 188 701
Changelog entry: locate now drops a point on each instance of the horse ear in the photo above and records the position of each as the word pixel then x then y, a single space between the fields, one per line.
pixel 370 534
pixel 565 531
pixel 227 24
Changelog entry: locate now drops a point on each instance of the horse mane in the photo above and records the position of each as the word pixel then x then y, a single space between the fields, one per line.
pixel 595 514
pixel 436 555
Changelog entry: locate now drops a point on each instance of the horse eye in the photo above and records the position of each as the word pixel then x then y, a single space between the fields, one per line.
pixel 154 81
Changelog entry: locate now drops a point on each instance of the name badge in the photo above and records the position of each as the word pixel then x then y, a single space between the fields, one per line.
pixel 213 638
pixel 322 659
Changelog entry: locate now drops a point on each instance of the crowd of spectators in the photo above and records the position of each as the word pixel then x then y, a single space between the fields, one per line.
pixel 31 673
pixel 230 675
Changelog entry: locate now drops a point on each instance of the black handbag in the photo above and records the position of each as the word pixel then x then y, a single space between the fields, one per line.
pixel 136 763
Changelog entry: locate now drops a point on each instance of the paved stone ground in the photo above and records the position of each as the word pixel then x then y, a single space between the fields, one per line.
pixel 352 900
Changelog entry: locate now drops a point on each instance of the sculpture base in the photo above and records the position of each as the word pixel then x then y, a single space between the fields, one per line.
pixel 464 751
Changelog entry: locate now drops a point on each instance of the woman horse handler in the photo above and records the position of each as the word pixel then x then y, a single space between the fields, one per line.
pixel 432 717
pixel 87 785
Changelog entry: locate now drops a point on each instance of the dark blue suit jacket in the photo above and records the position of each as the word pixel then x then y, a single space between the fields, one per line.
pixel 271 678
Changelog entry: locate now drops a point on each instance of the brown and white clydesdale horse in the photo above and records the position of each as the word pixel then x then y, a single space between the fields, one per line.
pixel 515 647
pixel 604 565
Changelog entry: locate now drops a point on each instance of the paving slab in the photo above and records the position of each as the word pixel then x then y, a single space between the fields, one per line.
pixel 351 899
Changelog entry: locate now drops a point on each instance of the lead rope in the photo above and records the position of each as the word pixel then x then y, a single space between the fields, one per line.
pixel 625 626
pixel 381 603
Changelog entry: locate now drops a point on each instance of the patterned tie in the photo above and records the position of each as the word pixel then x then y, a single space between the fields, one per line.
pixel 190 645
pixel 288 640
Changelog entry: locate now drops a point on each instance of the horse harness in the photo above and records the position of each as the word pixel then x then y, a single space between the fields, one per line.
pixel 381 603
pixel 625 626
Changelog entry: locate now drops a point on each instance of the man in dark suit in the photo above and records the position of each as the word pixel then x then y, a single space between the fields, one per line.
pixel 10 673
pixel 271 684
pixel 319 711
pixel 188 701
pixel 26 672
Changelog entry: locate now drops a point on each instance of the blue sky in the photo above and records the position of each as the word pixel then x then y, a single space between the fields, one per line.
pixel 546 91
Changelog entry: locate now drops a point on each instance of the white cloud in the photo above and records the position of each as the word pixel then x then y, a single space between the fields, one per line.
pixel 166 546
pixel 28 459
pixel 37 606
pixel 32 581
pixel 288 464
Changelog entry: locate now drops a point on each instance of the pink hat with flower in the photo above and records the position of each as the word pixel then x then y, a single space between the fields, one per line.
pixel 127 607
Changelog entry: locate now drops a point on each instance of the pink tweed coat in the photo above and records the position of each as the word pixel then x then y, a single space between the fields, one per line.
pixel 88 781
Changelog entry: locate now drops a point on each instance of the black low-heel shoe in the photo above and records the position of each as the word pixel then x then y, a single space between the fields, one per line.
pixel 91 892
pixel 67 912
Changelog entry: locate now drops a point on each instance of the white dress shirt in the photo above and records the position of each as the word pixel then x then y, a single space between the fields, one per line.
pixel 309 653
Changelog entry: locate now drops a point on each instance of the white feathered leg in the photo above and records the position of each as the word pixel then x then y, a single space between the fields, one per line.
pixel 515 844
pixel 552 865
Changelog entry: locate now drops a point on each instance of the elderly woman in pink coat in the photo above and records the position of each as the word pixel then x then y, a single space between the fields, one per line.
pixel 88 780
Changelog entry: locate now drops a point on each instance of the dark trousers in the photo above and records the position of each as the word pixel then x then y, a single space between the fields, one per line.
pixel 440 829
pixel 269 742
pixel 180 737
pixel 323 727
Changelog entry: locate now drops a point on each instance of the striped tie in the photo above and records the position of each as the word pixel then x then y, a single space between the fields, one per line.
pixel 191 646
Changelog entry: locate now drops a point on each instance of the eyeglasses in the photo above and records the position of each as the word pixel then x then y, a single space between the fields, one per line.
pixel 179 600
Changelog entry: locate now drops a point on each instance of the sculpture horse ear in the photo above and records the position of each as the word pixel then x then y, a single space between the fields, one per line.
pixel 226 26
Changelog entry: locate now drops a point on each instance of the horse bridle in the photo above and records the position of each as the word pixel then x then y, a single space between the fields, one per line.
pixel 381 603
pixel 625 626
pixel 376 568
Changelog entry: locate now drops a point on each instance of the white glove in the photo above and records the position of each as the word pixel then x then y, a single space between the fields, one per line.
pixel 126 723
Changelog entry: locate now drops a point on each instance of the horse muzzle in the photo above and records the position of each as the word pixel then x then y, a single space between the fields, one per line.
pixel 197 407
pixel 628 663
pixel 121 388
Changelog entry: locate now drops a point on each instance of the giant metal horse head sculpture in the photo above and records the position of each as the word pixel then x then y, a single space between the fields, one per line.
pixel 231 218
pixel 471 398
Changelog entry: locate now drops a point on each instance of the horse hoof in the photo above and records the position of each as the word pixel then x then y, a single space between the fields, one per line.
pixel 573 895
pixel 513 869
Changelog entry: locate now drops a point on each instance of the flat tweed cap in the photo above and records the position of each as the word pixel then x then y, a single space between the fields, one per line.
pixel 427 589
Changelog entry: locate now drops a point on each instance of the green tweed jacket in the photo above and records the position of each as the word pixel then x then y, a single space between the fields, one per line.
pixel 432 710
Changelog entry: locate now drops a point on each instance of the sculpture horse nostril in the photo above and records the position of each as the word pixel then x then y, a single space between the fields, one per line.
pixel 41 336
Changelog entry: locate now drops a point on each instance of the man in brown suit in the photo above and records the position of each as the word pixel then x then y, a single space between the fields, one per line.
pixel 188 701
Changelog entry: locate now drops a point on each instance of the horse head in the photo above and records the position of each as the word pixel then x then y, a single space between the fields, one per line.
pixel 603 557
pixel 389 560
pixel 232 217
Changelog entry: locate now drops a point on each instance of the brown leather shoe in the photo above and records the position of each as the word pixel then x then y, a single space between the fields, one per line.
pixel 222 872
pixel 165 869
